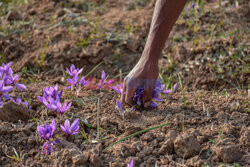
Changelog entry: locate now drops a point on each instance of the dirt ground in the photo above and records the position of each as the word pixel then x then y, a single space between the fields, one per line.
pixel 207 52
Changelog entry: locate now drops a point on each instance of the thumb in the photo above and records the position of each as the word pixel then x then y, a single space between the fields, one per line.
pixel 147 97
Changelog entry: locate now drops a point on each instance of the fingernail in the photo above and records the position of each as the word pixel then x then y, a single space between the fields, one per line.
pixel 146 104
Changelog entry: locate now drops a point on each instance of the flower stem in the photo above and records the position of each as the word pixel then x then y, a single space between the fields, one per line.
pixel 98 117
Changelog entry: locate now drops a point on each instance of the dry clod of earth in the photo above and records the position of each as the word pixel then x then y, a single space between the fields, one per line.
pixel 196 161
pixel 186 145
pixel 13 15
pixel 245 137
pixel 227 153
pixel 12 112
pixel 168 145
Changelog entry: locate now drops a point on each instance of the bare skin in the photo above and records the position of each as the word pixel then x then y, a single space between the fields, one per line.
pixel 165 15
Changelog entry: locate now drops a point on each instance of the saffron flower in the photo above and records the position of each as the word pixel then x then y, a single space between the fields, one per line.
pixel 4 90
pixel 74 71
pixel 51 99
pixel 48 147
pixel 189 7
pixel 50 92
pixel 118 88
pixel 83 82
pixel 175 88
pixel 5 68
pixel 119 106
pixel 63 108
pixel 131 164
pixel 56 105
pixel 193 5
pixel 47 131
pixel 103 82
pixel 13 80
pixel 70 129
pixel 158 88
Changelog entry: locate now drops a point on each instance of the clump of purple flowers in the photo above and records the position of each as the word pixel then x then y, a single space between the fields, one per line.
pixel 75 80
pixel 51 99
pixel 158 89
pixel 46 132
pixel 8 81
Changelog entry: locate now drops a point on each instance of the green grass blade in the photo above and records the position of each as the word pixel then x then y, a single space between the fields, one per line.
pixel 93 69
pixel 135 134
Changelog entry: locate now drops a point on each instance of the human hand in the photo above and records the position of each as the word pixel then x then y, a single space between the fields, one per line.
pixel 143 74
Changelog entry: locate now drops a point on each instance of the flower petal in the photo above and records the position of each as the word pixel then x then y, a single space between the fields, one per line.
pixel 67 125
pixel 75 125
pixel 62 128
pixel 53 126
pixel 20 86
pixel 119 104
pixel 103 76
pixel 167 91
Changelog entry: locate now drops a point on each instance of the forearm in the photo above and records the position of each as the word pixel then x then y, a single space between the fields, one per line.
pixel 165 15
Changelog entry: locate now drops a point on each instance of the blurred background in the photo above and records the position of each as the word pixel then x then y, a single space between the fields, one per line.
pixel 208 47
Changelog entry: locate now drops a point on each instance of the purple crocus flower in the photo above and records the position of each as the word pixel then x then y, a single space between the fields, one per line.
pixel 131 164
pixel 103 82
pixel 4 90
pixel 10 79
pixel 193 5
pixel 118 88
pixel 5 68
pixel 63 108
pixel 70 129
pixel 48 147
pixel 47 131
pixel 159 88
pixel 189 7
pixel 83 82
pixel 138 95
pixel 50 92
pixel 73 71
pixel 119 106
